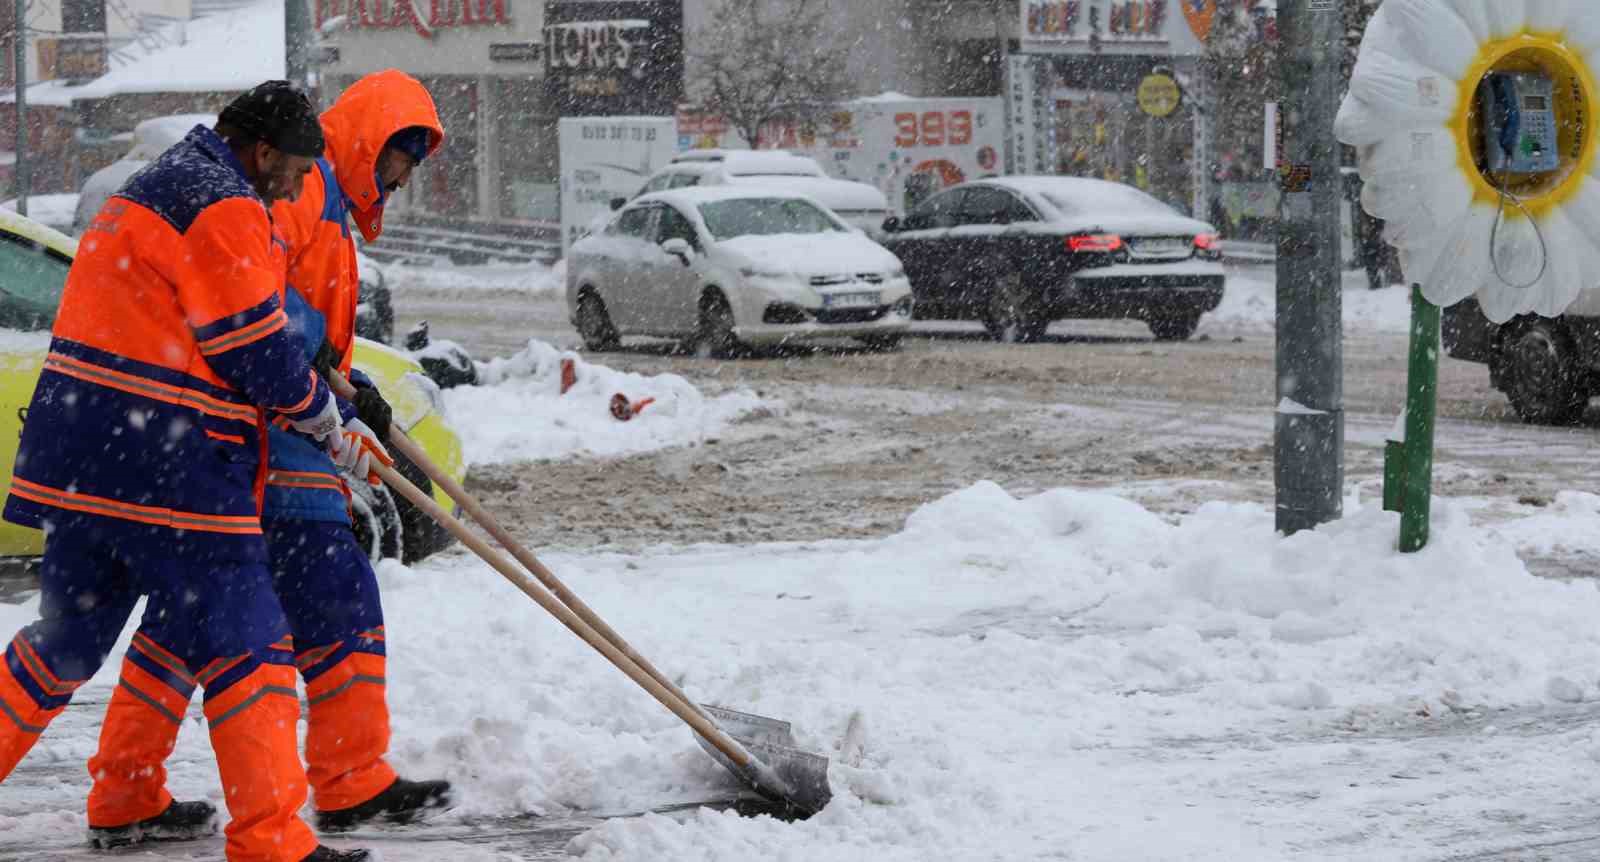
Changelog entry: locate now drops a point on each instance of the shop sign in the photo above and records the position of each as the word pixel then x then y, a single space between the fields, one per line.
pixel 1094 22
pixel 603 158
pixel 614 57
pixel 423 16
pixel 1200 14
pixel 1159 95
pixel 516 52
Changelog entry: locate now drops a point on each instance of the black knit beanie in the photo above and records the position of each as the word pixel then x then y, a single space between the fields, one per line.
pixel 279 114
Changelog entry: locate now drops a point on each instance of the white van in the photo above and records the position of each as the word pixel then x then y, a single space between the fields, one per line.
pixel 151 138
pixel 858 204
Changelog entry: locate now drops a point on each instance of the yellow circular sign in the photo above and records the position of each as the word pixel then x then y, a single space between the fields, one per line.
pixel 1159 95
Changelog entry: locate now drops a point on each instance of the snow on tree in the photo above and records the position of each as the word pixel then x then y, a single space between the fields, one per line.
pixel 758 62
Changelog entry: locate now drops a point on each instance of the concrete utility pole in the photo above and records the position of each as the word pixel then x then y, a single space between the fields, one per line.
pixel 297 43
pixel 19 39
pixel 1310 416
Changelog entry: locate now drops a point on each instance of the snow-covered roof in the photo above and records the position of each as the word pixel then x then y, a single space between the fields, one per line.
pixel 693 196
pixel 740 162
pixel 234 50
pixel 231 51
pixel 838 194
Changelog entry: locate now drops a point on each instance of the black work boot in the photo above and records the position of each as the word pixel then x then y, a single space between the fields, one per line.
pixel 328 854
pixel 182 821
pixel 400 803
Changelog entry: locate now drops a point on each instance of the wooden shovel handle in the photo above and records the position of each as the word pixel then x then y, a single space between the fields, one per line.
pixel 407 447
pixel 679 707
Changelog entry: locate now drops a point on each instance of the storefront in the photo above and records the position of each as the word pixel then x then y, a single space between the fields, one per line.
pixel 1099 54
pixel 503 72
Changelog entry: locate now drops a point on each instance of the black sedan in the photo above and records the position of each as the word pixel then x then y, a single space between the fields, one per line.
pixel 1020 252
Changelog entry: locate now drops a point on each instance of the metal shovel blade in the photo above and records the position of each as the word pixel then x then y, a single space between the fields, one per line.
pixel 748 726
pixel 804 776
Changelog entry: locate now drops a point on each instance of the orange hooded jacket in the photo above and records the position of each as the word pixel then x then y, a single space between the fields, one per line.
pixel 322 253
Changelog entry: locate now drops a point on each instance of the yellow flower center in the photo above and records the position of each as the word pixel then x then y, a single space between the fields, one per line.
pixel 1574 96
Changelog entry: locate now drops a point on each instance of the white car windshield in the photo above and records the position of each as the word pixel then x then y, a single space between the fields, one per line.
pixel 1118 199
pixel 764 216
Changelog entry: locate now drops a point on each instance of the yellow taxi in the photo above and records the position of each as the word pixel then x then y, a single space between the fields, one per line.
pixel 33 271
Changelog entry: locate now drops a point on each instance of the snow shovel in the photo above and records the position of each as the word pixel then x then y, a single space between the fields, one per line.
pixel 783 773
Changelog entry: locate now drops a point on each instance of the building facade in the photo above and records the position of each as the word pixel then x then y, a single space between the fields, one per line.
pixel 503 72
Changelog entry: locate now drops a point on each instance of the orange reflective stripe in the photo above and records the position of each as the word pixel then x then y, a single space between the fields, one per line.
pixel 154 693
pixel 226 438
pixel 316 655
pixel 41 674
pixel 246 335
pixel 219 667
pixel 265 681
pixel 304 480
pixel 243 525
pixel 148 388
pixel 159 655
pixel 306 401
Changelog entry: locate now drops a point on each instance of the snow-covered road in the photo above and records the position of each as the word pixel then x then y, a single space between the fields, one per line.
pixel 1053 597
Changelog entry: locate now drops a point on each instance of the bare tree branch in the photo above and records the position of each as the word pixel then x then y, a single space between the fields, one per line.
pixel 754 69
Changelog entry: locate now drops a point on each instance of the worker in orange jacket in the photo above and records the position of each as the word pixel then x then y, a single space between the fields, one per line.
pixel 377 132
pixel 141 459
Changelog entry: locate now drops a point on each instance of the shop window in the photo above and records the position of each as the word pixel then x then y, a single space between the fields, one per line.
pixel 449 185
pixel 529 155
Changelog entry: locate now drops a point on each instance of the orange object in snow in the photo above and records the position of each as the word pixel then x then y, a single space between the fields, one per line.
pixel 569 375
pixel 624 409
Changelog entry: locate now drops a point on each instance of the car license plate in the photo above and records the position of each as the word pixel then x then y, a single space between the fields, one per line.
pixel 1161 246
pixel 850 300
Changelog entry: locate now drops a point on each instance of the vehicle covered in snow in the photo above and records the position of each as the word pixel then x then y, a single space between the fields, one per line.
pixel 151 138
pixel 858 204
pixel 34 260
pixel 1547 367
pixel 1019 252
pixel 734 265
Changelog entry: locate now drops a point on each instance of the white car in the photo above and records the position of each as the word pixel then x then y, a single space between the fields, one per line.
pixel 151 138
pixel 858 204
pixel 723 267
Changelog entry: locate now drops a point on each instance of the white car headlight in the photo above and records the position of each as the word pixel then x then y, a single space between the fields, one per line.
pixel 755 272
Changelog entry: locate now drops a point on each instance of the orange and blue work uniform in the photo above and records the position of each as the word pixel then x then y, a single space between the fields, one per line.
pixel 141 461
pixel 322 577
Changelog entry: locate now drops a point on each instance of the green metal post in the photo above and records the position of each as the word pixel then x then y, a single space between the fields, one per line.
pixel 1422 401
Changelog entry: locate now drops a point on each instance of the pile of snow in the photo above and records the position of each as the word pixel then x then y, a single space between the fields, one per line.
pixel 1051 675
pixel 1251 301
pixel 532 278
pixel 518 413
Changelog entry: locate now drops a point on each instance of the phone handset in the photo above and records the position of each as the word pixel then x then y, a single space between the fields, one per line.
pixel 1507 114
pixel 1520 123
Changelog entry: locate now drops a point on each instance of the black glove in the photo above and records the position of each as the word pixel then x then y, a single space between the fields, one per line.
pixel 373 410
pixel 326 360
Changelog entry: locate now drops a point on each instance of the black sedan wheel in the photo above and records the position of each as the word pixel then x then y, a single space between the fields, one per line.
pixel 594 325
pixel 1177 326
pixel 715 339
pixel 1541 375
pixel 1011 314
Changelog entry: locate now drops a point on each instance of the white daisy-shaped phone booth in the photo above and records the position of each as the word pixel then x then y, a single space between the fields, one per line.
pixel 1474 125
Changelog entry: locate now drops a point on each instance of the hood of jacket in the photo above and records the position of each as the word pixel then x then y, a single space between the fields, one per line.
pixel 357 126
